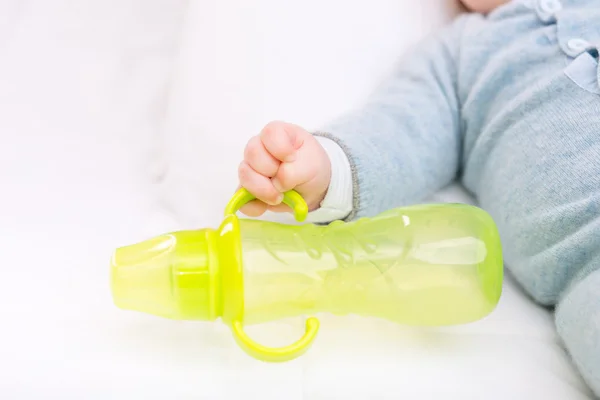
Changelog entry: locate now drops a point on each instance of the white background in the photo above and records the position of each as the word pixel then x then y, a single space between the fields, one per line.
pixel 114 123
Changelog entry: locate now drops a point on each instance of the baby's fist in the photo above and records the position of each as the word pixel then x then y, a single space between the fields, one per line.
pixel 283 157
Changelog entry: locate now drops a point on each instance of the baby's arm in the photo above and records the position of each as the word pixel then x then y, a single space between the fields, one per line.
pixel 405 143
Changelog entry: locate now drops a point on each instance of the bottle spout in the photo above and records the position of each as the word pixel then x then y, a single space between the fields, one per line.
pixel 167 276
pixel 141 276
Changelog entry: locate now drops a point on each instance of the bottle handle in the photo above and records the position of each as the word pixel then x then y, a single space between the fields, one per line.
pixel 276 354
pixel 273 354
pixel 292 198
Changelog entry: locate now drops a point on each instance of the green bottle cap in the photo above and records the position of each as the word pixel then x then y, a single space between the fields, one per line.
pixel 172 275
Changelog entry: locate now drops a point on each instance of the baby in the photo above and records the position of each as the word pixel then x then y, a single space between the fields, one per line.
pixel 507 98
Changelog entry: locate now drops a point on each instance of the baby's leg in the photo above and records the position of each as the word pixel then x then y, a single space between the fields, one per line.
pixel 541 182
pixel 578 323
pixel 551 238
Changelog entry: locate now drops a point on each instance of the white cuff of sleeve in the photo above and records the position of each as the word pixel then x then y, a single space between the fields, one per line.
pixel 337 203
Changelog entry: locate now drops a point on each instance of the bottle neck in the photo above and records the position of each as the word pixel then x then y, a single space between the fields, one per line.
pixel 228 295
pixel 214 282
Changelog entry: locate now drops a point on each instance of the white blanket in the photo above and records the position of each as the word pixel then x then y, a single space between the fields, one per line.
pixel 84 91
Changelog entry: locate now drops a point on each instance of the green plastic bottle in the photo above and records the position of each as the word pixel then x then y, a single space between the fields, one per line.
pixel 427 265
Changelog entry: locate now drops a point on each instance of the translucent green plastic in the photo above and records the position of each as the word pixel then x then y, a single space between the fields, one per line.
pixel 426 265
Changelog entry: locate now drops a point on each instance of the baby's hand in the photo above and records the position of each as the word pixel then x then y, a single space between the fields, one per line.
pixel 283 157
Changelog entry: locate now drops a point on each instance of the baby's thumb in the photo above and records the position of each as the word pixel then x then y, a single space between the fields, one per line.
pixel 292 174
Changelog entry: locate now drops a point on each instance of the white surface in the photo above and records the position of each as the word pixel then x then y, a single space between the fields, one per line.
pixel 80 89
pixel 243 64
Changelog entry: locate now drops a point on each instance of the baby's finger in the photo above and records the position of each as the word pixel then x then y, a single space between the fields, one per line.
pixel 260 186
pixel 281 140
pixel 281 208
pixel 288 177
pixel 254 208
pixel 259 158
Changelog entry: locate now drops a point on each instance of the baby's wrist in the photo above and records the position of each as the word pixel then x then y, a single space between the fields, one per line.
pixel 336 200
pixel 318 201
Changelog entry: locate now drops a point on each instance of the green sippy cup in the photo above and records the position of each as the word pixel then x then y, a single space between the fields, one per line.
pixel 426 265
